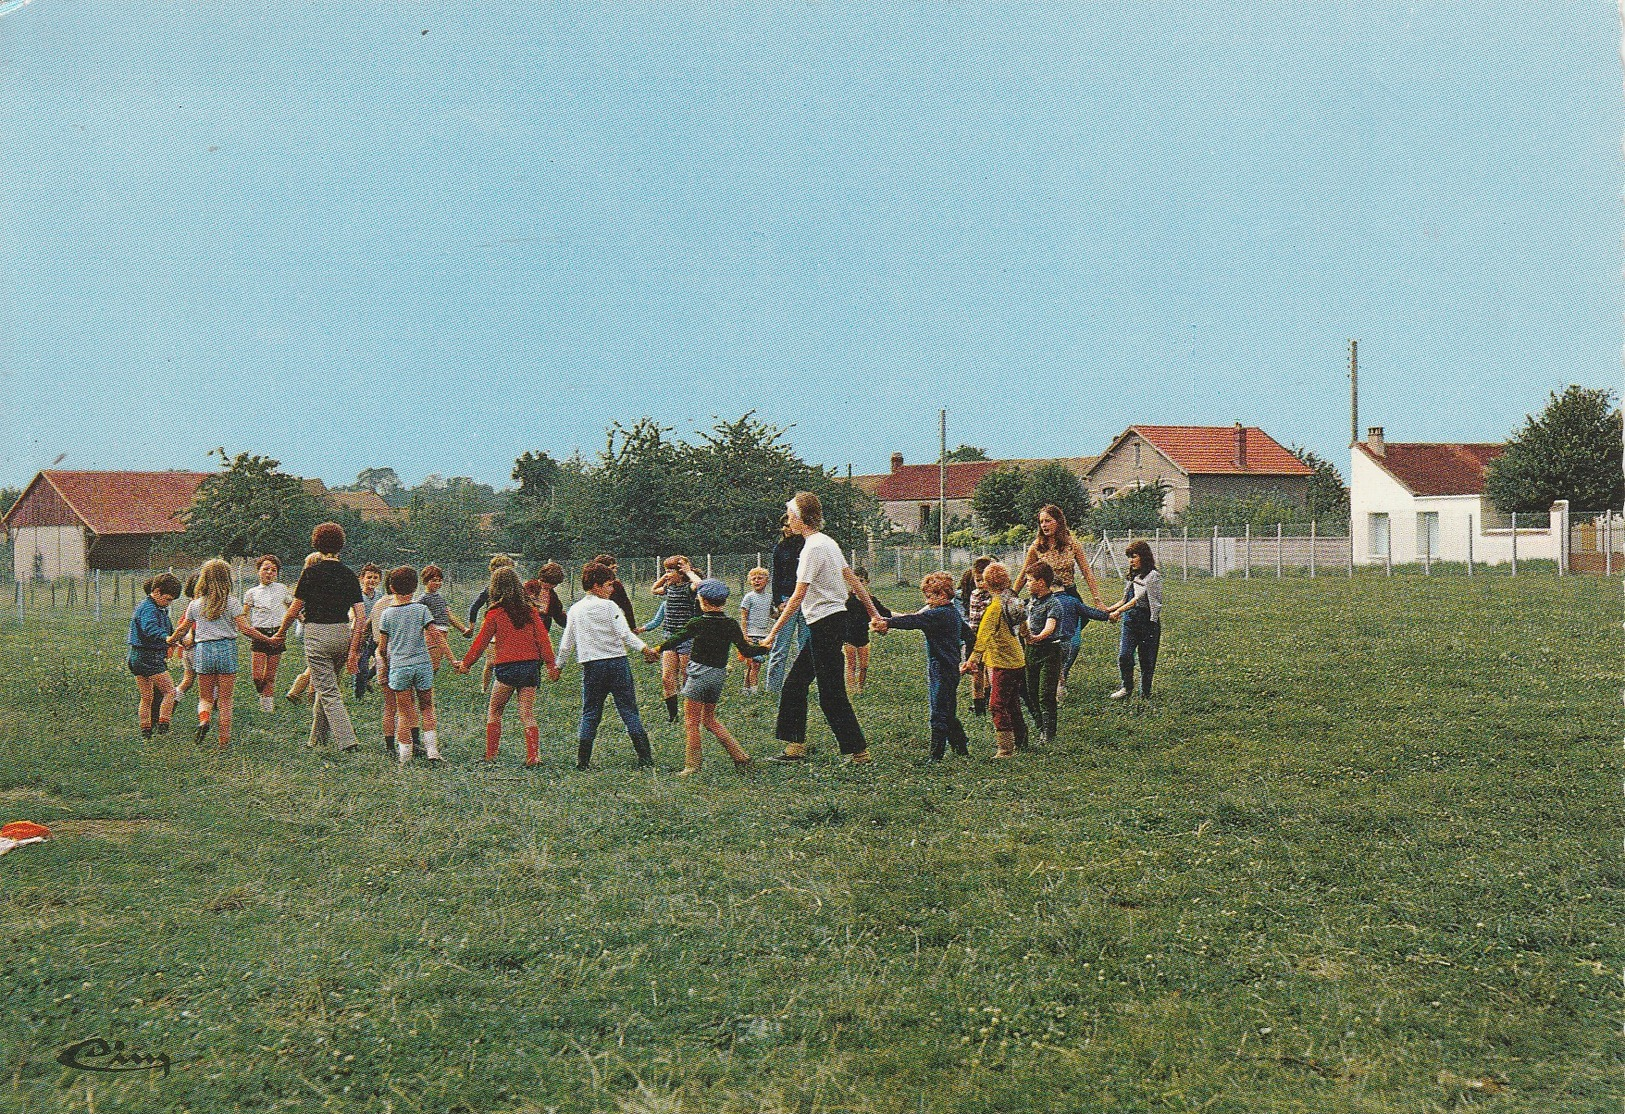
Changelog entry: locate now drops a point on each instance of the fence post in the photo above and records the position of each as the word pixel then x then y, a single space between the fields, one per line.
pixel 1469 545
pixel 1351 546
pixel 19 601
pixel 97 609
pixel 1608 544
pixel 1185 556
pixel 898 553
pixel 1312 547
pixel 1514 543
pixel 1388 556
pixel 1247 551
pixel 708 566
pixel 1278 542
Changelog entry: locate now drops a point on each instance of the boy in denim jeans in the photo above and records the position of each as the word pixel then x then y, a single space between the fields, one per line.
pixel 596 629
pixel 940 621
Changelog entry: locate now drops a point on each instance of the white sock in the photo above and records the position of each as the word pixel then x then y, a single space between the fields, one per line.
pixel 431 744
pixel 405 751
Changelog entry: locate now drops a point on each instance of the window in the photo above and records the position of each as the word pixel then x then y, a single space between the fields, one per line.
pixel 1427 534
pixel 1136 454
pixel 1379 535
pixel 1107 492
pixel 925 516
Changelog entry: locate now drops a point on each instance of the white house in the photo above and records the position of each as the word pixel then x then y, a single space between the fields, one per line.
pixel 1424 501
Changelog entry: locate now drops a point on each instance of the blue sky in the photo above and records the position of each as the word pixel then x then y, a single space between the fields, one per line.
pixel 434 237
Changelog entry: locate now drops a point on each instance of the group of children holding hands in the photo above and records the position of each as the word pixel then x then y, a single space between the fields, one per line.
pixel 1017 652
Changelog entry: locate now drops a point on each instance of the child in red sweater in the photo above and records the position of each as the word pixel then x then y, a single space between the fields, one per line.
pixel 522 645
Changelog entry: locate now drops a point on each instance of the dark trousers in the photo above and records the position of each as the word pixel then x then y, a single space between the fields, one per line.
pixel 1044 662
pixel 821 661
pixel 946 730
pixel 1142 636
pixel 609 677
pixel 364 670
pixel 1005 687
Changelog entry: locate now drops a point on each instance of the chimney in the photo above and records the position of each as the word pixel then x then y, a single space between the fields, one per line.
pixel 1373 441
pixel 1241 446
pixel 896 461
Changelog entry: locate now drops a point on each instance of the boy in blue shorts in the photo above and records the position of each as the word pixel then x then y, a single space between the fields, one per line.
pixel 941 622
pixel 403 657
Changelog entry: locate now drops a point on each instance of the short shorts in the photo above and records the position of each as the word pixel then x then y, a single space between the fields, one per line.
pixel 682 649
pixel 704 683
pixel 218 655
pixel 144 662
pixel 419 676
pixel 518 674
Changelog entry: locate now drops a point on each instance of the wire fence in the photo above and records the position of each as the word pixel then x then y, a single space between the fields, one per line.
pixel 1496 546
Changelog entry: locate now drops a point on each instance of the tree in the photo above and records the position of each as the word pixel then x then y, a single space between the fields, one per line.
pixel 1058 484
pixel 1328 496
pixel 250 508
pixel 8 498
pixel 382 482
pixel 965 453
pixel 1570 451
pixel 1132 511
pixel 1233 513
pixel 532 524
pixel 443 524
pixel 998 499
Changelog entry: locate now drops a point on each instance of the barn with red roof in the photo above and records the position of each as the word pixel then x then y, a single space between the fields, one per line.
pixel 1196 461
pixel 66 523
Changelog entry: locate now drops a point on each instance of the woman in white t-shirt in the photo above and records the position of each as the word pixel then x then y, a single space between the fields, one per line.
pixel 823 581
pixel 266 603
pixel 216 619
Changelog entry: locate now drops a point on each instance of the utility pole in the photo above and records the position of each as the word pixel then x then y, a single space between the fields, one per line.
pixel 942 494
pixel 1354 391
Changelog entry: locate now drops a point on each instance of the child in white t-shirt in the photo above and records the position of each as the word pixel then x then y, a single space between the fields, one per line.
pixel 267 603
pixel 215 619
pixel 756 617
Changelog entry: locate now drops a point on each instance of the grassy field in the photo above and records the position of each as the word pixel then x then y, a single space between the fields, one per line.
pixel 1362 854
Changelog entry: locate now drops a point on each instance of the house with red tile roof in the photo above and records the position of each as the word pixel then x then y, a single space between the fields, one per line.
pixel 1423 501
pixel 1196 461
pixel 66 523
pixel 909 492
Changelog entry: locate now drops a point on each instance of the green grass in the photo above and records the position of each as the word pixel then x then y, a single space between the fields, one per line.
pixel 1360 855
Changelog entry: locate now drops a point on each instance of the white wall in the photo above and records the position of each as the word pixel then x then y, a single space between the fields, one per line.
pixel 1461 517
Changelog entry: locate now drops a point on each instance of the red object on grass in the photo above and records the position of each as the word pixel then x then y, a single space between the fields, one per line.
pixel 24 829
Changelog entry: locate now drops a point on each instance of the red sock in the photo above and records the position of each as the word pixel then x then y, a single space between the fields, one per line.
pixel 493 736
pixel 533 738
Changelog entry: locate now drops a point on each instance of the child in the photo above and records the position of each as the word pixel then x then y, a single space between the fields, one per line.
pixel 1046 648
pixel 1141 612
pixel 711 632
pixel 215 617
pixel 940 621
pixel 188 673
pixel 522 646
pixel 407 666
pixel 856 644
pixel 756 616
pixel 501 560
pixel 551 575
pixel 998 646
pixel 371 578
pixel 301 683
pixel 266 603
pixel 974 597
pixel 150 629
pixel 600 636
pixel 676 588
pixel 617 591
pixel 439 644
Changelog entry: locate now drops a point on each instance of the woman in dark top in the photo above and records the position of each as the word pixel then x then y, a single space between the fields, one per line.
pixel 328 596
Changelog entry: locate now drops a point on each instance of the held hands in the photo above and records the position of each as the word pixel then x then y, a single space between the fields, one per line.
pixel 878 625
pixel 554 674
pixel 461 668
pixel 650 654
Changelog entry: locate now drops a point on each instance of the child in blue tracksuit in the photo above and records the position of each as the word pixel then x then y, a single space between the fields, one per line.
pixel 942 623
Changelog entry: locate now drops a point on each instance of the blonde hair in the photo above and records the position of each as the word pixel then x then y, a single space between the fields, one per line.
pixel 758 570
pixel 500 561
pixel 937 584
pixel 213 587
